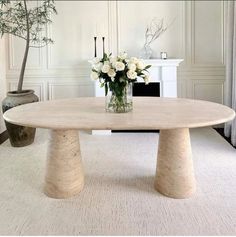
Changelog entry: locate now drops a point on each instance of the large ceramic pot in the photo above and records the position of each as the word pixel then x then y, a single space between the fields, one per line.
pixel 19 135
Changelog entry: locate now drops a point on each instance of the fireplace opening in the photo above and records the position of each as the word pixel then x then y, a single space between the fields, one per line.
pixel 140 89
pixel 152 89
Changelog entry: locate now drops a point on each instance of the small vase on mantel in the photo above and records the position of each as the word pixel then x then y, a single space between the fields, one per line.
pixel 117 75
pixel 146 52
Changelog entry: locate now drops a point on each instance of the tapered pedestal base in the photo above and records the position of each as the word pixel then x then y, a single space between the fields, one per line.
pixel 174 174
pixel 64 172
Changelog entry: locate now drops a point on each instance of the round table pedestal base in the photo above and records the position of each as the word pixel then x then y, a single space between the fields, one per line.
pixel 64 172
pixel 174 173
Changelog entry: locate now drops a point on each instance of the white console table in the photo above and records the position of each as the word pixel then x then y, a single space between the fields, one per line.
pixel 163 71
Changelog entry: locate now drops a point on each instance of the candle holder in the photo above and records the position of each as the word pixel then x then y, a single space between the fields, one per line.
pixel 103 45
pixel 163 55
pixel 95 46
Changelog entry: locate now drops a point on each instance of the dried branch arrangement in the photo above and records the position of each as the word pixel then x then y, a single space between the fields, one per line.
pixel 154 30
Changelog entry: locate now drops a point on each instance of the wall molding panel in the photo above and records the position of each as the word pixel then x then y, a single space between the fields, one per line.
pixel 197 79
pixel 208 90
pixel 61 90
pixel 12 44
pixel 113 27
pixel 107 30
pixel 194 34
pixel 62 70
pixel 49 88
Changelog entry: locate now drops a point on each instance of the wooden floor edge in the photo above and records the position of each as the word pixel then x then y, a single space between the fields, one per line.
pixel 221 132
pixel 3 136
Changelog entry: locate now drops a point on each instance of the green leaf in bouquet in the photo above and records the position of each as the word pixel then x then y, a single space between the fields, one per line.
pixel 148 66
pixel 122 79
pixel 140 74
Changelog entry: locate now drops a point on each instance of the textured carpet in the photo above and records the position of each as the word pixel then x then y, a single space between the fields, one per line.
pixel 119 198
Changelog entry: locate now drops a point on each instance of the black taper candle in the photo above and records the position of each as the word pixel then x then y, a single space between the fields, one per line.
pixel 103 45
pixel 95 46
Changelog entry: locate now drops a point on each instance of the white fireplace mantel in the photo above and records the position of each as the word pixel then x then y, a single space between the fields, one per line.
pixel 163 62
pixel 163 71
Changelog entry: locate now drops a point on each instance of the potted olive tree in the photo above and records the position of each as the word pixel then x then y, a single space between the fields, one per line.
pixel 21 19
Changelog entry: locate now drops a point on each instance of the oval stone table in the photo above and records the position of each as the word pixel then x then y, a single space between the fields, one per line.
pixel 174 117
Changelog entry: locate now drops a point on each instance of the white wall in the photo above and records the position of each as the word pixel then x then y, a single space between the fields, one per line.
pixel 203 75
pixel 2 80
pixel 61 70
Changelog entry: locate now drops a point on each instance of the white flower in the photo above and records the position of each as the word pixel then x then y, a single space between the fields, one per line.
pixel 98 66
pixel 131 75
pixel 106 68
pixel 146 79
pixel 140 65
pixel 94 75
pixel 111 73
pixel 113 78
pixel 119 66
pixel 132 66
pixel 94 61
pixel 113 61
pixel 133 60
pixel 123 55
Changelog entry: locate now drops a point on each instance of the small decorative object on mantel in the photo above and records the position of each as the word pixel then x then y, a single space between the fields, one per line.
pixel 153 31
pixel 117 75
pixel 163 55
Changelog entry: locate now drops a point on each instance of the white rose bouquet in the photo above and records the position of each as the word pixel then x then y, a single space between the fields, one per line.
pixel 115 73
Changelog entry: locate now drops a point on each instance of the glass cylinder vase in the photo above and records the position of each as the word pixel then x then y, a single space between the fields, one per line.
pixel 119 99
pixel 146 52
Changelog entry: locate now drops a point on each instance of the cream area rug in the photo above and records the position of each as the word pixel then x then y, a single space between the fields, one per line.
pixel 119 198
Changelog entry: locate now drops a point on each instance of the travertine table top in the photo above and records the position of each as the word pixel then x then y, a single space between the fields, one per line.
pixel 148 113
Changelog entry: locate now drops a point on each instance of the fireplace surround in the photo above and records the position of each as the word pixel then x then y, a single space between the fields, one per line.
pixel 163 82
